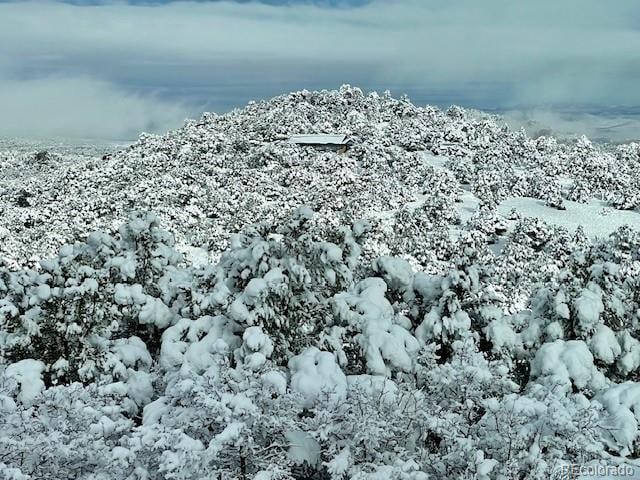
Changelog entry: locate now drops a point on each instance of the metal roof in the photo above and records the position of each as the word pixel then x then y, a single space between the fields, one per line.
pixel 318 139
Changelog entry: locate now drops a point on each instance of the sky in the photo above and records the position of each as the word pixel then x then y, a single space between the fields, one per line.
pixel 111 69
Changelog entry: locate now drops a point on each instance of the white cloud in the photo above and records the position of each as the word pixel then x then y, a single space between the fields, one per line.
pixel 568 125
pixel 80 107
pixel 511 53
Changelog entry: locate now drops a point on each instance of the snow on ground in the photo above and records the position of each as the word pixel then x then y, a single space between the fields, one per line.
pixel 595 217
pixel 468 205
pixel 436 161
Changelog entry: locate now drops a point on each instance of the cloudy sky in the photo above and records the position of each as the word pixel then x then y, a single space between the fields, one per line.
pixel 109 69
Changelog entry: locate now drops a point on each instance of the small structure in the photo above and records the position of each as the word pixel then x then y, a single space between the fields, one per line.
pixel 338 143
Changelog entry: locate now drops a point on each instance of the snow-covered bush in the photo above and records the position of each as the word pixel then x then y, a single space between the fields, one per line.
pixel 281 278
pixel 70 432
pixel 69 311
pixel 367 328
pixel 456 305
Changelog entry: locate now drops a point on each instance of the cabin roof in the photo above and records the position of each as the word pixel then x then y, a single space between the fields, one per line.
pixel 318 139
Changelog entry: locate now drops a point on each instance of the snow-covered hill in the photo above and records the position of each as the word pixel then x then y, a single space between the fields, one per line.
pixel 221 173
pixel 447 299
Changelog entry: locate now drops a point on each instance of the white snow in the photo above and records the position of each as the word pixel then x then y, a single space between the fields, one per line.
pixel 239 311
pixel 339 464
pixel 589 306
pixel 256 348
pixel 129 294
pixel 255 287
pixel 196 256
pixel 28 375
pixel 156 312
pixel 604 345
pixel 318 139
pixel 428 286
pixel 373 386
pixel 501 334
pixel 207 337
pixel 153 411
pixel 230 435
pixel 126 266
pixel 132 351
pixel 315 373
pixel 103 427
pixel 630 358
pixel 140 388
pixel 595 217
pixel 256 340
pixel 302 448
pixel 43 292
pixel 622 402
pixel 274 277
pixel 331 252
pixel 436 161
pixel 563 363
pixel 275 380
pixel 396 272
pixel 468 205
pixel 382 340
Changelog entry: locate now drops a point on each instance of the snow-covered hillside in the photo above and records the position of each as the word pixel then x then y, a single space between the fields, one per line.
pixel 447 299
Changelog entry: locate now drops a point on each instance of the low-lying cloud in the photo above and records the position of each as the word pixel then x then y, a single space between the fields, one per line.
pixel 81 107
pixel 140 65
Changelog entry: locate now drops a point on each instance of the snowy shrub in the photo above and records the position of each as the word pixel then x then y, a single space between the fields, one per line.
pixel 620 426
pixel 533 233
pixel 224 423
pixel 418 233
pixel 315 373
pixel 579 191
pixel 567 365
pixel 589 299
pixel 26 376
pixel 191 346
pixel 486 221
pixel 281 278
pixel 489 187
pixel 456 305
pixel 68 312
pixel 381 337
pixel 67 434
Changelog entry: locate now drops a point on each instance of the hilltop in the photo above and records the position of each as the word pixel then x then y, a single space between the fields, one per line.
pixel 220 173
